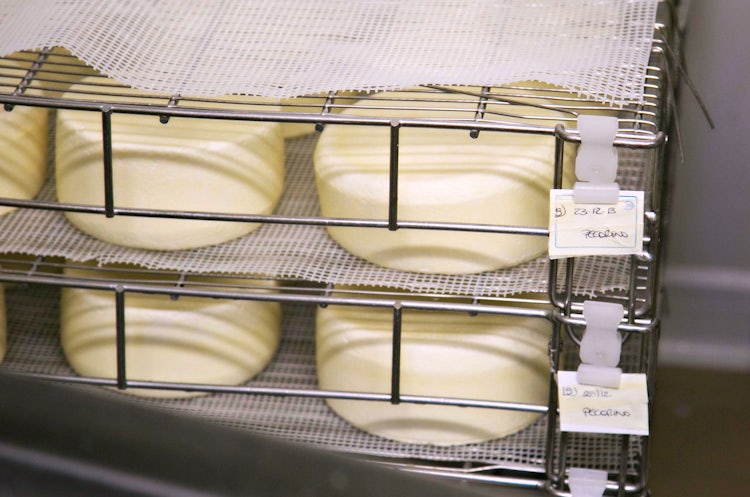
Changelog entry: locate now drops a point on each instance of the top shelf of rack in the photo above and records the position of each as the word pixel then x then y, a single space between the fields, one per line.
pixel 56 79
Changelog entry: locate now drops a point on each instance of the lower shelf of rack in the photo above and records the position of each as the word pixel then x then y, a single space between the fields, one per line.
pixel 33 348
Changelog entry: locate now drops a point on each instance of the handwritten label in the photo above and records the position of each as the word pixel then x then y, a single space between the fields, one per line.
pixel 595 229
pixel 591 409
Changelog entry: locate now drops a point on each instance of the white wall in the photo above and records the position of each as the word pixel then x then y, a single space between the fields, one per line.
pixel 707 277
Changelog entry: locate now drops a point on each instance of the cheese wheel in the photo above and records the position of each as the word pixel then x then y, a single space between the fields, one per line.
pixel 191 339
pixel 23 142
pixel 188 164
pixel 445 176
pixel 443 354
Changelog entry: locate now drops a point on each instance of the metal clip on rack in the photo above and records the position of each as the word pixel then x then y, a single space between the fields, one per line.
pixel 596 164
pixel 600 345
pixel 587 482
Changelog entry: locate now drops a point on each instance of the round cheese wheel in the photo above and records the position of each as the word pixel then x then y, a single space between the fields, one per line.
pixel 443 354
pixel 191 339
pixel 23 143
pixel 444 175
pixel 188 164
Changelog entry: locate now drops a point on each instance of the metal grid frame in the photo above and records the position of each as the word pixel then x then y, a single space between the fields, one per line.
pixel 643 129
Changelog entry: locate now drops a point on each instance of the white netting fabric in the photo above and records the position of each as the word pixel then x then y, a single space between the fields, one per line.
pixel 284 48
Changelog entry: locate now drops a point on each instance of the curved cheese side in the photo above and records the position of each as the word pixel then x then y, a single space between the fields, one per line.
pixel 23 145
pixel 188 164
pixel 191 339
pixel 445 176
pixel 443 354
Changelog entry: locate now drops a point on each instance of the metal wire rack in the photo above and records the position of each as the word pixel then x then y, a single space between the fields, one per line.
pixel 284 399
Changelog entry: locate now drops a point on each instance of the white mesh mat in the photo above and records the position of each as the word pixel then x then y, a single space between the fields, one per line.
pixel 291 47
pixel 307 252
pixel 34 347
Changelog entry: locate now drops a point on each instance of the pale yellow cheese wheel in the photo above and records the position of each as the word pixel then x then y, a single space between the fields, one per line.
pixel 190 340
pixel 23 142
pixel 223 166
pixel 444 176
pixel 444 354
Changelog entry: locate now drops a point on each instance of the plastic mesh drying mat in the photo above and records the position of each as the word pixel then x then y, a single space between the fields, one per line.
pixel 291 47
pixel 33 347
pixel 307 252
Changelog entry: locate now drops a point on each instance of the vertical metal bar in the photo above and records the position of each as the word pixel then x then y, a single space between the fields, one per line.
pixel 326 109
pixel 179 284
pixel 569 271
pixel 652 280
pixel 558 477
pixel 632 288
pixel 479 114
pixel 559 157
pixel 555 345
pixel 552 284
pixel 624 452
pixel 120 337
pixel 652 228
pixel 326 293
pixel 564 302
pixel 660 211
pixel 643 355
pixel 556 183
pixel 173 101
pixel 562 459
pixel 32 270
pixel 649 355
pixel 644 463
pixel 393 185
pixel 396 355
pixel 651 363
pixel 109 196
pixel 652 343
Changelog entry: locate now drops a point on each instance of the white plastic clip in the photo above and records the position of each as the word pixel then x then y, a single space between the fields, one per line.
pixel 600 345
pixel 596 163
pixel 587 482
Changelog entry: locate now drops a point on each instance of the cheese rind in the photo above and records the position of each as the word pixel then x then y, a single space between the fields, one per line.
pixel 222 166
pixel 443 354
pixel 445 176
pixel 23 145
pixel 187 340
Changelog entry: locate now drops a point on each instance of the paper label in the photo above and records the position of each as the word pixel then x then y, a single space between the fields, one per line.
pixel 592 409
pixel 595 229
